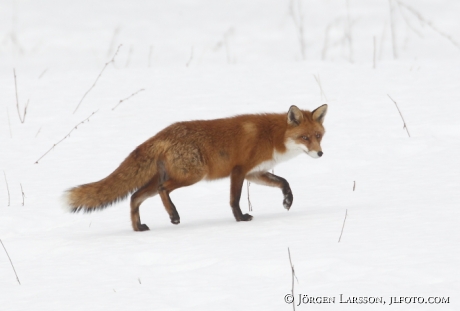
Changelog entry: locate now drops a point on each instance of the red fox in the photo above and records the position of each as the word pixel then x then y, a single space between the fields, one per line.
pixel 242 147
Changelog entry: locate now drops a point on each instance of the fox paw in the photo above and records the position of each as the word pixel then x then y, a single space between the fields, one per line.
pixel 245 217
pixel 142 227
pixel 175 221
pixel 287 202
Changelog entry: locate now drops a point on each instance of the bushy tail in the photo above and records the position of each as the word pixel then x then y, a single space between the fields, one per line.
pixel 134 172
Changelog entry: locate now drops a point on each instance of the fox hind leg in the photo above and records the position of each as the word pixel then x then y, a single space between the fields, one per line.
pixel 169 182
pixel 148 190
pixel 165 189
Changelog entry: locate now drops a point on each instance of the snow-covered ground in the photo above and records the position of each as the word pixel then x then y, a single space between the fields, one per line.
pixel 210 59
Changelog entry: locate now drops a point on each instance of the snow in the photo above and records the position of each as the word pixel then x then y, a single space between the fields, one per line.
pixel 401 235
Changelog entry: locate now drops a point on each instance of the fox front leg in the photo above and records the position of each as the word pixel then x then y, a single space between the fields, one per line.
pixel 272 180
pixel 236 184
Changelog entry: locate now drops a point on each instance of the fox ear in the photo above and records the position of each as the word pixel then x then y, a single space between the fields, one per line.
pixel 294 116
pixel 319 113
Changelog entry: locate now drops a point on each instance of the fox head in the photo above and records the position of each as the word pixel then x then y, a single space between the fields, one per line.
pixel 305 130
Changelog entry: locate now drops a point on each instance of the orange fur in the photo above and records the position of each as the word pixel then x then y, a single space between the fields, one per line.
pixel 187 152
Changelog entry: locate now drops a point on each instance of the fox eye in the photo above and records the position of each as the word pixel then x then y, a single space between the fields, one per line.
pixel 305 138
pixel 318 135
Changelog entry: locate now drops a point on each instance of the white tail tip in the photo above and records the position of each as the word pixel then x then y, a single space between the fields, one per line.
pixel 65 202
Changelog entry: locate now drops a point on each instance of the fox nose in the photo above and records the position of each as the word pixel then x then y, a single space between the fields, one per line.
pixel 320 153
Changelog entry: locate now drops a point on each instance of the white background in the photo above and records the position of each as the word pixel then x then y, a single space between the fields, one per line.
pixel 209 59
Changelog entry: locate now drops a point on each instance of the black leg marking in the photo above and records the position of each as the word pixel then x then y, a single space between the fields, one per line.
pixel 143 227
pixel 148 190
pixel 272 180
pixel 236 184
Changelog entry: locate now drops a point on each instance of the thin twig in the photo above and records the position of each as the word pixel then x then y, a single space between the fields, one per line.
pixel 7 188
pixel 354 185
pixel 408 23
pixel 68 135
pixel 139 279
pixel 38 132
pixel 343 226
pixel 318 80
pixel 191 58
pixel 404 122
pixel 23 195
pixel 17 278
pixel 43 73
pixel 427 22
pixel 393 30
pixel 113 41
pixel 25 110
pixel 94 84
pixel 298 20
pixel 16 91
pixel 292 276
pixel 348 32
pixel 122 100
pixel 23 117
pixel 249 200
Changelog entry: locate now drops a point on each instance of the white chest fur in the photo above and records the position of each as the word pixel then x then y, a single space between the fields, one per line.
pixel 292 150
